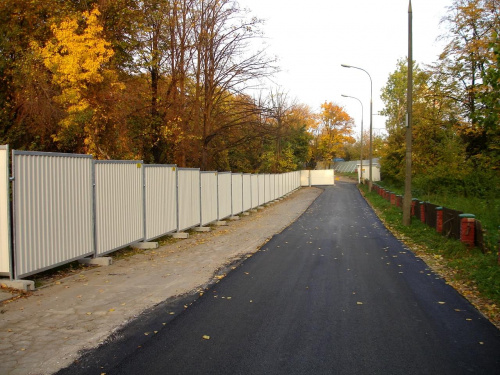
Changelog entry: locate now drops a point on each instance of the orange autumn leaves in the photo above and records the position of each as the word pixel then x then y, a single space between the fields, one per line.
pixel 332 132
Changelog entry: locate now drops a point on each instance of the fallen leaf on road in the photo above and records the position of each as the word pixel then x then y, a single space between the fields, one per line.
pixel 205 337
pixel 111 310
pixel 441 303
pixel 359 303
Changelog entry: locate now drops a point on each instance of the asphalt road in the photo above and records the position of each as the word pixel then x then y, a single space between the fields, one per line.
pixel 334 293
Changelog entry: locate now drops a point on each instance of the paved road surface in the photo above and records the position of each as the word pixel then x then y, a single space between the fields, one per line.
pixel 334 293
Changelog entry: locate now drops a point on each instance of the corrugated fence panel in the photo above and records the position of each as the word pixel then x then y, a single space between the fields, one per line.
pixel 262 184
pixel 305 178
pixel 267 188
pixel 208 197
pixel 5 269
pixel 119 202
pixel 224 194
pixel 247 192
pixel 160 195
pixel 273 187
pixel 254 180
pixel 188 193
pixel 322 177
pixel 281 179
pixel 237 193
pixel 53 210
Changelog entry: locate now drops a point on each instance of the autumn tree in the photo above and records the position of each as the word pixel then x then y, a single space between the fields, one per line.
pixel 438 153
pixel 473 26
pixel 27 116
pixel 333 131
pixel 77 60
pixel 224 65
pixel 285 125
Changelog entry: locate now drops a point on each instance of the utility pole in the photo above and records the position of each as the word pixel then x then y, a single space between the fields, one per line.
pixel 409 101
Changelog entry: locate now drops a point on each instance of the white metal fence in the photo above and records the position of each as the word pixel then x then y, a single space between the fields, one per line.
pixel 67 206
pixel 208 196
pixel 53 210
pixel 5 244
pixel 160 192
pixel 317 177
pixel 188 202
pixel 119 201
pixel 224 193
pixel 237 194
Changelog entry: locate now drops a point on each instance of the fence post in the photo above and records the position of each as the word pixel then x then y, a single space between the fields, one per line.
pixel 413 204
pixel 422 212
pixel 467 229
pixel 499 246
pixel 399 200
pixel 393 198
pixel 439 219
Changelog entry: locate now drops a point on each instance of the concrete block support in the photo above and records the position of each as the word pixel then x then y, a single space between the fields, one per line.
pixel 467 229
pixel 234 218
pixel 221 223
pixel 25 285
pixel 181 235
pixel 201 229
pixel 100 261
pixel 145 245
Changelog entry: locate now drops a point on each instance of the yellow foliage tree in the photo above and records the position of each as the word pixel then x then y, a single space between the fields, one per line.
pixel 76 56
pixel 332 133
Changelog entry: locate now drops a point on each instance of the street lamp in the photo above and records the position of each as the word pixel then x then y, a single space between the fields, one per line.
pixel 361 152
pixel 371 118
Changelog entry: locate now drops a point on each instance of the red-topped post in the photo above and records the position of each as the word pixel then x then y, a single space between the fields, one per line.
pixel 439 219
pixel 467 229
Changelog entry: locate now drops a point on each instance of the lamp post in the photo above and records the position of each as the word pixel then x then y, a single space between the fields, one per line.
pixel 361 152
pixel 409 121
pixel 371 119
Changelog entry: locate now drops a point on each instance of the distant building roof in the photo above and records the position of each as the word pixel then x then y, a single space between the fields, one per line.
pixel 350 166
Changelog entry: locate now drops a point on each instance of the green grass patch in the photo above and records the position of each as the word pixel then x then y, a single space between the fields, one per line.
pixel 487 211
pixel 471 267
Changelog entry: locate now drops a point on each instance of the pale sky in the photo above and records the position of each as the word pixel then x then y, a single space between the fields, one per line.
pixel 313 38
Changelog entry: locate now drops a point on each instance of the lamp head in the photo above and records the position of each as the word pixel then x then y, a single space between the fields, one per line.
pixel 345 66
pixel 345 96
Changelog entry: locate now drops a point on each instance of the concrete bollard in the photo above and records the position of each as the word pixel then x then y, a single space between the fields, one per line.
pixel 422 212
pixel 439 219
pixel 467 229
